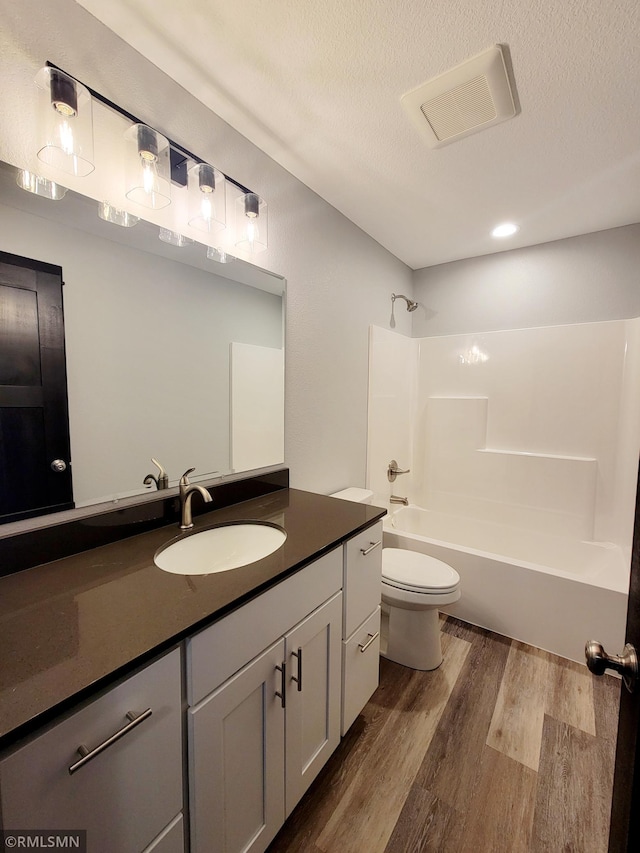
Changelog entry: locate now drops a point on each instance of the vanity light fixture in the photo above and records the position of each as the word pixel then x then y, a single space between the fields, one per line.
pixel 207 198
pixel 174 238
pixel 66 123
pixel 153 163
pixel 148 167
pixel 116 215
pixel 219 255
pixel 38 185
pixel 506 229
pixel 251 223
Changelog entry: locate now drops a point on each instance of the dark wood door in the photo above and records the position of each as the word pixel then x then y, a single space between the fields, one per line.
pixel 625 813
pixel 34 418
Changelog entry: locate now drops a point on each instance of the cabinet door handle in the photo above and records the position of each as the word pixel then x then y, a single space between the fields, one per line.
pixel 372 638
pixel 298 678
pixel 372 545
pixel 87 755
pixel 282 693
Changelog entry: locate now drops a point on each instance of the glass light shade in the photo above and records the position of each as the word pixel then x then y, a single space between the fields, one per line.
pixel 207 198
pixel 148 167
pixel 251 223
pixel 66 123
pixel 219 255
pixel 116 215
pixel 179 240
pixel 38 185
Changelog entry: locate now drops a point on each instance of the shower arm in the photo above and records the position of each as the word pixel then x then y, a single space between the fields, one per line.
pixel 411 305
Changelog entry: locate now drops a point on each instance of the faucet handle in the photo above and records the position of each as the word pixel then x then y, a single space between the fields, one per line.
pixel 393 471
pixel 161 481
pixel 184 480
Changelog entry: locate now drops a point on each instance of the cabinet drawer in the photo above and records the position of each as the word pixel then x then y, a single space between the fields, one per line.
pixel 216 653
pixel 360 668
pixel 363 577
pixel 124 796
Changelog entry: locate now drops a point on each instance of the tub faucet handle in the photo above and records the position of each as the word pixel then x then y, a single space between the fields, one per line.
pixel 393 471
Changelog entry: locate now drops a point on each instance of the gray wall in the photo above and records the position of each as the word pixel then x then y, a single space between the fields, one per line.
pixel 339 280
pixel 577 280
pixel 147 348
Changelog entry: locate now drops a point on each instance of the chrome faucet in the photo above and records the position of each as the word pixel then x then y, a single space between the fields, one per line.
pixel 161 481
pixel 395 499
pixel 186 493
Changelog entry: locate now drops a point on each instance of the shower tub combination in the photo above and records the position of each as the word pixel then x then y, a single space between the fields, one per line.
pixel 545 590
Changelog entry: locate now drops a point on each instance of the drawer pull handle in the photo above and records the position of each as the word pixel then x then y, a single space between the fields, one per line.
pixel 372 639
pixel 282 693
pixel 87 755
pixel 298 678
pixel 372 545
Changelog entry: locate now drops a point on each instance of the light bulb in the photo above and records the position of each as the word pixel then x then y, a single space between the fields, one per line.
pixel 149 171
pixel 251 220
pixel 66 127
pixel 65 133
pixel 149 174
pixel 252 233
pixel 205 207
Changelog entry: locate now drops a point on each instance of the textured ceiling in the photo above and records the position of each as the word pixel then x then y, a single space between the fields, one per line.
pixel 317 85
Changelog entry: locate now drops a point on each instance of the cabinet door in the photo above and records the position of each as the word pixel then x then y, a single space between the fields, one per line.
pixel 127 793
pixel 362 577
pixel 236 760
pixel 313 650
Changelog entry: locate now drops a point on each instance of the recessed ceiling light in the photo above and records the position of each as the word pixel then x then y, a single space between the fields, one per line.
pixel 507 229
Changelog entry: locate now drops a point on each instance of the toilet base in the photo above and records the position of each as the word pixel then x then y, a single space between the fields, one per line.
pixel 412 637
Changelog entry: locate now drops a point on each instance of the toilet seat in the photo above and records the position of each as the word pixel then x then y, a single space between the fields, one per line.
pixel 417 573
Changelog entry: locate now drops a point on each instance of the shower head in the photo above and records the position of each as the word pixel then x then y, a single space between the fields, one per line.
pixel 411 305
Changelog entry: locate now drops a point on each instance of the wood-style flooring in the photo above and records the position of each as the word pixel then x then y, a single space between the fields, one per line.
pixel 503 749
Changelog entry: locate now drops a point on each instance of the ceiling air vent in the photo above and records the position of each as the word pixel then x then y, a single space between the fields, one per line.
pixel 472 96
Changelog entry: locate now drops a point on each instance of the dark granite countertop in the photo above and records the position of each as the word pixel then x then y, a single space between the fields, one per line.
pixel 70 627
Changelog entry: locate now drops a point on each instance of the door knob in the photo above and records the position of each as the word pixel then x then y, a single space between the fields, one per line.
pixel 58 465
pixel 625 664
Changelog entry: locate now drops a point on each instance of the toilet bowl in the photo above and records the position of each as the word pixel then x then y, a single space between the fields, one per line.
pixel 414 587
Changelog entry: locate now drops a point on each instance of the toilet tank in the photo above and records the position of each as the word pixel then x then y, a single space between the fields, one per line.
pixel 360 496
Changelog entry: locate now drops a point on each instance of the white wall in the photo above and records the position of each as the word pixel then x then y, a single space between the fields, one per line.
pixel 578 280
pixel 339 280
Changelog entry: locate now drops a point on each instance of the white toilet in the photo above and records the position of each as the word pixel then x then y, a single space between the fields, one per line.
pixel 414 587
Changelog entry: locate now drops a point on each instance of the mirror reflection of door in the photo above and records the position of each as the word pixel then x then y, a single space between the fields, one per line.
pixel 35 470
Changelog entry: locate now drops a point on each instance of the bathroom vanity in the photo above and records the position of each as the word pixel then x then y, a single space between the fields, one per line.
pixel 187 712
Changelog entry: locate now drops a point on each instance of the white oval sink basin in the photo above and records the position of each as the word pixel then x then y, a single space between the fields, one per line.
pixel 220 549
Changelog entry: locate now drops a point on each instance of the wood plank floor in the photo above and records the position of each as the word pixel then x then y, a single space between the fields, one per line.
pixel 503 749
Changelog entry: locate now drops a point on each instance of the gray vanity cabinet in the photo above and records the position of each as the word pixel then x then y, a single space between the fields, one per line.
pixel 128 796
pixel 258 740
pixel 269 688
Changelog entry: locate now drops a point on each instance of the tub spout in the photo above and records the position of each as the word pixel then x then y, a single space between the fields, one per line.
pixel 395 499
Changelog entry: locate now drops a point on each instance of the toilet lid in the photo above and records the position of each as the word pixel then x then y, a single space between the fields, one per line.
pixel 417 572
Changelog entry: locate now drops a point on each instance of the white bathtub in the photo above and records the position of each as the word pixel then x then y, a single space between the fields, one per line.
pixel 551 592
